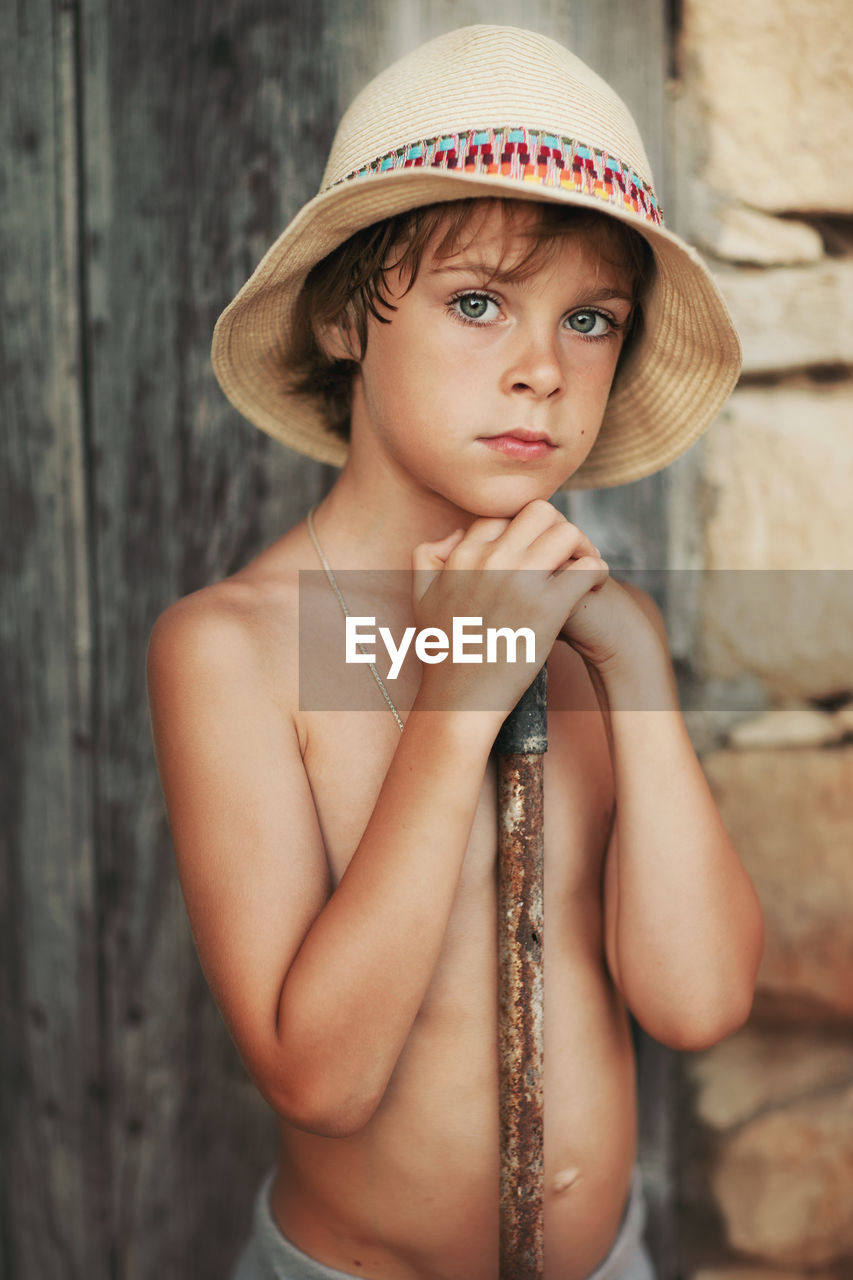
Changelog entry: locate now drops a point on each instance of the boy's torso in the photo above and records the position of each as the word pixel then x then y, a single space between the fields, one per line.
pixel 413 1195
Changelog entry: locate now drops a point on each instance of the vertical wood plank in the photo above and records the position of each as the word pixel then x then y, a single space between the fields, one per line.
pixel 626 42
pixel 205 127
pixel 53 1085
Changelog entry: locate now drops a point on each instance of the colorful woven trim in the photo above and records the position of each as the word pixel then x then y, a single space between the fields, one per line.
pixel 525 156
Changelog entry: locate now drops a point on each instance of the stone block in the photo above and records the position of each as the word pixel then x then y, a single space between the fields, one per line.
pixel 777 471
pixel 760 1069
pixel 772 86
pixel 790 816
pixel 783 1182
pixel 789 727
pixel 794 317
pixel 734 1088
pixel 738 234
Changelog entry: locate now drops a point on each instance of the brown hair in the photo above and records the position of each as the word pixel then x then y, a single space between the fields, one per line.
pixel 351 283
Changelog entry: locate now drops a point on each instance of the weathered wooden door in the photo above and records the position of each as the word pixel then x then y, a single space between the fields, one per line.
pixel 150 152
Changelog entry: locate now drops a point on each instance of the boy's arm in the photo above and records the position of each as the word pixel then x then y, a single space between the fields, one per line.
pixel 683 924
pixel 318 989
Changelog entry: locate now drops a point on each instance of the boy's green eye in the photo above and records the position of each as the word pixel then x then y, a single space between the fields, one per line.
pixel 585 321
pixel 473 305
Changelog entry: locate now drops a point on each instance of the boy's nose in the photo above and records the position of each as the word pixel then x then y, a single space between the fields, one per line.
pixel 535 366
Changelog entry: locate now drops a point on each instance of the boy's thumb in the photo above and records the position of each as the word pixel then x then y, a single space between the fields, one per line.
pixel 429 558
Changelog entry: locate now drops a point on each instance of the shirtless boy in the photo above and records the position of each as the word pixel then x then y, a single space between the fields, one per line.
pixel 464 364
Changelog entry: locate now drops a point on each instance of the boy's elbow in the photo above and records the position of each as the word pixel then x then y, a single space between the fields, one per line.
pixel 318 1106
pixel 325 1119
pixel 702 1026
pixel 726 1003
pixel 693 1034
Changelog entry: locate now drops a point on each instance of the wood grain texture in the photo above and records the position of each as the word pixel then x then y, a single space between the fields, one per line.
pixel 149 156
pixel 53 1168
pixel 193 163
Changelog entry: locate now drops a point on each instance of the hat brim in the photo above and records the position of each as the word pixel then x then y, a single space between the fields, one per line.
pixel 676 377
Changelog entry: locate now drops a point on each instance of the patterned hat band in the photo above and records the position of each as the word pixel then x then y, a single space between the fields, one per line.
pixel 545 159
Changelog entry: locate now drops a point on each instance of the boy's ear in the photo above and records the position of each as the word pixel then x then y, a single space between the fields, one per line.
pixel 334 339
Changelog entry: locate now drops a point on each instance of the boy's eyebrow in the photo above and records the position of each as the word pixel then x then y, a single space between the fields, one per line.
pixel 491 271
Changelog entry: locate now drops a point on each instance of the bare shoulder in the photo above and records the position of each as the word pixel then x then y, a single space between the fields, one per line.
pixel 220 665
pixel 244 628
pixel 230 621
pixel 226 611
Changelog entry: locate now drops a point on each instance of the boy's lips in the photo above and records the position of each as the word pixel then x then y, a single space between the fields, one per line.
pixel 520 443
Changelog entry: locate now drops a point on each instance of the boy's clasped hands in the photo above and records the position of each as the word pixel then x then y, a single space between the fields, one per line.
pixel 538 571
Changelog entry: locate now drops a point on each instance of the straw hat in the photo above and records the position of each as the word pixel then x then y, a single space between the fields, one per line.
pixel 493 111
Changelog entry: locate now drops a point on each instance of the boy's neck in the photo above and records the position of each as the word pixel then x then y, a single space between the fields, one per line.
pixel 369 524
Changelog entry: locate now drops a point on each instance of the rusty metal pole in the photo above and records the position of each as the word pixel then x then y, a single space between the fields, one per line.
pixel 520 746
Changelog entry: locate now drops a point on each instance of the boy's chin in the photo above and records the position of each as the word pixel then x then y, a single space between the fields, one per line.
pixel 506 506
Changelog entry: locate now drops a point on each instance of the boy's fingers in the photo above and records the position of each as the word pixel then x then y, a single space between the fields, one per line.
pixel 484 531
pixel 434 554
pixel 560 545
pixel 543 538
pixel 429 558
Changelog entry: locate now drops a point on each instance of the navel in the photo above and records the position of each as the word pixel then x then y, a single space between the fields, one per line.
pixel 565 1179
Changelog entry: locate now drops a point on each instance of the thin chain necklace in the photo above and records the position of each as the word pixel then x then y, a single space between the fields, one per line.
pixel 333 583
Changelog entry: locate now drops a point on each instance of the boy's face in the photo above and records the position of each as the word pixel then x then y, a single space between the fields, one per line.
pixel 488 388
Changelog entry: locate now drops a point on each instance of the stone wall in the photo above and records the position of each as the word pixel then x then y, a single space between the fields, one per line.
pixel 763 120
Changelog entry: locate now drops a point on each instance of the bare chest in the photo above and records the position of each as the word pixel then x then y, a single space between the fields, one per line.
pixel 347 756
